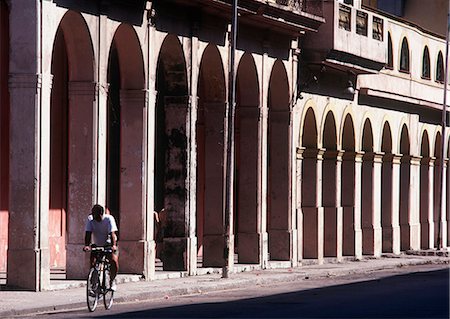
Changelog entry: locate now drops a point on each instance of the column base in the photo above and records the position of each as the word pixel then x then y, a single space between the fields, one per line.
pixel 313 233
pixel 23 269
pixel 132 256
pixel 249 250
pixel 77 262
pixel 333 232
pixel 348 241
pixel 280 243
pixel 213 254
pixel 174 254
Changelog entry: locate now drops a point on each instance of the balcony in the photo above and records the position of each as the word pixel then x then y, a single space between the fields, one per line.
pixel 314 7
pixel 352 40
pixel 293 17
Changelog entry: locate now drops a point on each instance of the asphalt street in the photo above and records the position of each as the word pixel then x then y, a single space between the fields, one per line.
pixel 408 292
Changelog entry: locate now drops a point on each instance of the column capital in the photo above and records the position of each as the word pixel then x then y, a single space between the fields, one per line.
pixel 132 95
pixel 29 80
pixel 314 153
pixel 415 160
pixel 391 157
pixel 299 152
pixel 396 159
pixel 427 160
pixel 352 156
pixel 333 154
pixel 376 157
pixel 82 87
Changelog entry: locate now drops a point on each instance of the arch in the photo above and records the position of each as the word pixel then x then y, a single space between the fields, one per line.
pixel 211 67
pixel 247 161
pixel 79 47
pixel 440 68
pixel 278 220
pixel 390 55
pixel 279 87
pixel 247 73
pixel 210 127
pixel 426 64
pixel 404 141
pixel 386 142
pixel 404 56
pixel 367 137
pixel 425 144
pixel 131 62
pixel 71 124
pixel 329 132
pixel 405 181
pixel 348 134
pixel 309 132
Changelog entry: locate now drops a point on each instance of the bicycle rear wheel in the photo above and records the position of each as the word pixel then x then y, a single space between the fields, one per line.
pixel 108 294
pixel 92 289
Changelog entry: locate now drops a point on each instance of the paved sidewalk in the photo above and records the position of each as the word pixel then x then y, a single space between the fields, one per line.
pixel 73 295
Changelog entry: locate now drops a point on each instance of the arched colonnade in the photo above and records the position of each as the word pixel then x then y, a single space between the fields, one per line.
pixel 135 121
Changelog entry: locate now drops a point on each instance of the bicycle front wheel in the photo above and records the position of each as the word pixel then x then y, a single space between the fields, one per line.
pixel 92 289
pixel 108 294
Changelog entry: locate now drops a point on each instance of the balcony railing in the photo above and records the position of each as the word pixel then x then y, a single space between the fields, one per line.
pixel 314 7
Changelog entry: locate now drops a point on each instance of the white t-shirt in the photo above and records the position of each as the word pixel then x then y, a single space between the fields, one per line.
pixel 100 230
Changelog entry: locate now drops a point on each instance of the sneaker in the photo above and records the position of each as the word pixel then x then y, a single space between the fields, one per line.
pixel 113 285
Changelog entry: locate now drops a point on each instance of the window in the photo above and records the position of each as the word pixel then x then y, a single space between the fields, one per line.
pixel 361 23
pixel 440 68
pixel 344 17
pixel 404 56
pixel 426 64
pixel 390 60
pixel 377 29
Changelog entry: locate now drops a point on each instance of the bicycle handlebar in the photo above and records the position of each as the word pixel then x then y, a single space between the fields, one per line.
pixel 105 249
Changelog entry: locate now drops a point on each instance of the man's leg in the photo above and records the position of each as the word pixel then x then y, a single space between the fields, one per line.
pixel 114 265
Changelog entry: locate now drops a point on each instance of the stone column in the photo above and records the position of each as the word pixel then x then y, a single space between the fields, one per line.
pixel 313 212
pixel 80 189
pixel 444 234
pixel 280 232
pixel 249 235
pixel 213 242
pixel 263 156
pixel 358 204
pixel 298 195
pixel 395 219
pixel 332 204
pixel 28 252
pixel 426 207
pixel 133 242
pixel 175 201
pixel 414 204
pixel 371 222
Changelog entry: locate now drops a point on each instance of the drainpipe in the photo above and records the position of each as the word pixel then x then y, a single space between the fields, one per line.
pixel 231 108
pixel 444 124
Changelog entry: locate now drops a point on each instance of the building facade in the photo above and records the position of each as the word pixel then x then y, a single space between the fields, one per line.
pixel 124 103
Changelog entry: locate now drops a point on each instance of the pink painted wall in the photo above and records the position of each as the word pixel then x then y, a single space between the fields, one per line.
pixel 4 134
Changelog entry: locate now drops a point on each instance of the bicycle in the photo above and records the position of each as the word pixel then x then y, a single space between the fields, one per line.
pixel 98 281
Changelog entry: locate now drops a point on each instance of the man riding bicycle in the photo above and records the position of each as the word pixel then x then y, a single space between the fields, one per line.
pixel 103 228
